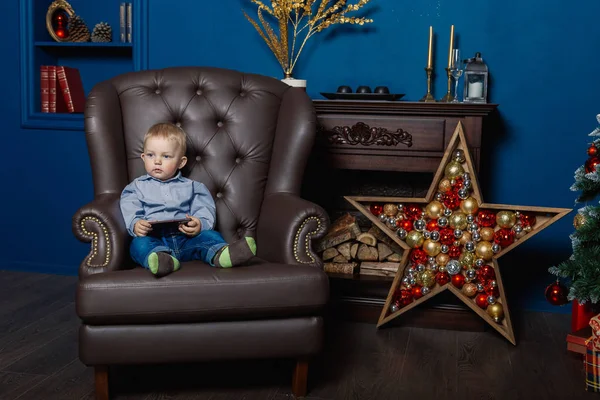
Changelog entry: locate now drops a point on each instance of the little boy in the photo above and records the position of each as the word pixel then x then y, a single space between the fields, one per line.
pixel 164 194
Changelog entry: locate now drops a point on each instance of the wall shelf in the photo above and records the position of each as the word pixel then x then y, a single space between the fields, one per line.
pixel 96 62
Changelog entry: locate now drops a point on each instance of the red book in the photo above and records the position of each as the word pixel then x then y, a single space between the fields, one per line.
pixel 44 89
pixel 71 86
pixel 577 341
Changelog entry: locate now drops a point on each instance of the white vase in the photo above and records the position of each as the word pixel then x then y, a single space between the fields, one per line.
pixel 299 83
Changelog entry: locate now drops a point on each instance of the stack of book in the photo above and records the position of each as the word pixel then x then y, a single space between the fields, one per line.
pixel 61 89
pixel 125 22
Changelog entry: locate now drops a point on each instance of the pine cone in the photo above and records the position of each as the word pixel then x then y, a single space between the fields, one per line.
pixel 102 33
pixel 78 31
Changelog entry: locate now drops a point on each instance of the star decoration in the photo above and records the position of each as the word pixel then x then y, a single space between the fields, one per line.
pixel 452 240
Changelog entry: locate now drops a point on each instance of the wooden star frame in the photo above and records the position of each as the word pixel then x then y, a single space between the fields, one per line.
pixel 543 217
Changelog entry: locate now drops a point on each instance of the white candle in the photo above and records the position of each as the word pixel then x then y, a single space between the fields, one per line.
pixel 475 89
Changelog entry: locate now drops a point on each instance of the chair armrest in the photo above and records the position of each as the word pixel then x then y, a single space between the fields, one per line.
pixel 286 227
pixel 101 223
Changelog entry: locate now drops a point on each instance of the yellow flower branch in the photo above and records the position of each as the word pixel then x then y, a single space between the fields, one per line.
pixel 327 13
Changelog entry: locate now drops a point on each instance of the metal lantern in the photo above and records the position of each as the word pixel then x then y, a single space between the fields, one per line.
pixel 476 80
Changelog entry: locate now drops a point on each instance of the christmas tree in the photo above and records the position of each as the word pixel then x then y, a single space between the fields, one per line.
pixel 582 269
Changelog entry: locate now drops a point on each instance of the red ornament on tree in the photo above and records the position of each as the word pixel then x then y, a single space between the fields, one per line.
pixel 412 211
pixel 376 209
pixel 592 150
pixel 458 184
pixel 556 294
pixel 481 300
pixel 590 164
pixel 406 297
pixel 504 237
pixel 487 273
pixel 486 218
pixel 491 289
pixel 442 278
pixel 418 256
pixel 458 280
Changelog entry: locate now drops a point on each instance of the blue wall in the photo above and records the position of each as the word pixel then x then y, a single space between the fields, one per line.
pixel 543 75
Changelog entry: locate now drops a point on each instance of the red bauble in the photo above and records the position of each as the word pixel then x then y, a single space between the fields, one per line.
pixel 492 290
pixel 432 225
pixel 417 292
pixel 486 218
pixel 487 273
pixel 447 236
pixel 504 237
pixel 442 278
pixel 454 252
pixel 404 224
pixel 592 151
pixel 412 211
pixel 458 184
pixel 556 294
pixel 528 220
pixel 451 200
pixel 590 164
pixel 406 297
pixel 376 209
pixel 458 280
pixel 418 256
pixel 481 300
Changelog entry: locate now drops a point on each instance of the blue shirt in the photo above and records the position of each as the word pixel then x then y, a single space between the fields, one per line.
pixel 155 200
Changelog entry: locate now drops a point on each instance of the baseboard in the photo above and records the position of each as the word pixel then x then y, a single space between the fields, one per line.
pixel 55 269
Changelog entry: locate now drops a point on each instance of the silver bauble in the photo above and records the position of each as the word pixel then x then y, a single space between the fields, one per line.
pixel 493 284
pixel 473 227
pixel 402 234
pixel 518 228
pixel 393 308
pixel 480 287
pixel 470 246
pixel 442 222
pixel 425 290
pixel 466 176
pixel 439 196
pixel 434 267
pixel 427 234
pixel 413 281
pixel 463 193
pixel 435 236
pixel 419 225
pixel 480 262
pixel 467 184
pixel 420 268
pixel 400 207
pixel 459 156
pixel 430 260
pixel 470 273
pixel 453 267
pixel 470 218
pixel 496 248
pixel 476 236
pixel 406 280
pixel 458 233
pixel 445 248
pixel 447 212
pixel 383 217
pixel 491 299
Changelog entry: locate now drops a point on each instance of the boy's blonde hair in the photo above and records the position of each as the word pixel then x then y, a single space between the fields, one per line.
pixel 168 131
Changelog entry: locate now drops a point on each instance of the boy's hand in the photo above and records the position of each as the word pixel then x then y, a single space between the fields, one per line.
pixel 191 228
pixel 142 227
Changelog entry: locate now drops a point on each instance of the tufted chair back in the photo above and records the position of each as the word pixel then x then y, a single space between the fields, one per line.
pixel 248 135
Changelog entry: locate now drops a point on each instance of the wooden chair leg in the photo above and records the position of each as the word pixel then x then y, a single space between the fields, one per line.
pixel 101 378
pixel 300 378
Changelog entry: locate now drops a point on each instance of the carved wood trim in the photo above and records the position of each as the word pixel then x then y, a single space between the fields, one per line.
pixel 362 134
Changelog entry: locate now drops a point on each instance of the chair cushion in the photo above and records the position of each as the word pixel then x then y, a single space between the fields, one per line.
pixel 198 292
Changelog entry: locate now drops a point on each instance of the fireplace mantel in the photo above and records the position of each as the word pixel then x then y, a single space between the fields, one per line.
pixel 356 139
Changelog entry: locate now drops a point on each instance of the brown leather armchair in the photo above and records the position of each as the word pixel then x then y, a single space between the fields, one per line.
pixel 249 141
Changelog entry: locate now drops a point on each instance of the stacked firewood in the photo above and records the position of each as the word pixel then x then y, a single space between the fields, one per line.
pixel 346 249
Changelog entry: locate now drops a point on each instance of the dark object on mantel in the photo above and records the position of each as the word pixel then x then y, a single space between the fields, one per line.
pixel 364 89
pixel 363 96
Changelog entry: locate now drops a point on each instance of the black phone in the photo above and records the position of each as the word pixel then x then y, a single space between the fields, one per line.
pixel 166 227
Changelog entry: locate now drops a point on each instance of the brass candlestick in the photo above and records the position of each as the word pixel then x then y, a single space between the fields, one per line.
pixel 428 98
pixel 448 97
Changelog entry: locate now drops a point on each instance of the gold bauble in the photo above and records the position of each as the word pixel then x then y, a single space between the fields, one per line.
pixel 506 219
pixel 469 289
pixel 390 209
pixel 434 210
pixel 487 234
pixel 445 185
pixel 578 221
pixel 442 259
pixel 414 239
pixel 496 312
pixel 432 248
pixel 428 278
pixel 453 170
pixel 484 250
pixel 470 205
pixel 467 260
pixel 466 237
pixel 458 220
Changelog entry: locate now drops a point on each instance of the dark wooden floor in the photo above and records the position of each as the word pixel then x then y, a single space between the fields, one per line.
pixel 38 359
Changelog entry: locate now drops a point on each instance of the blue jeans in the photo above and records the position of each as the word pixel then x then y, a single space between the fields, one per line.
pixel 184 248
